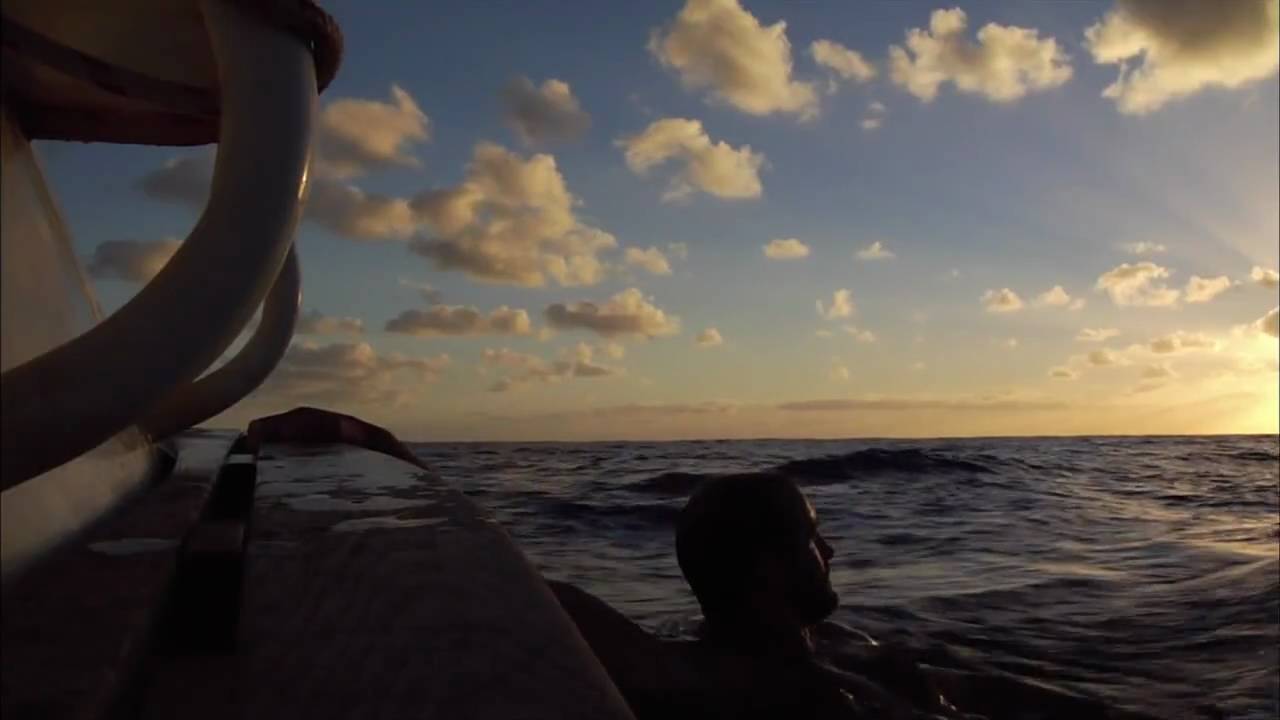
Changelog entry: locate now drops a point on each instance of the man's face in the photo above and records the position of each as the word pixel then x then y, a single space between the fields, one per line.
pixel 806 567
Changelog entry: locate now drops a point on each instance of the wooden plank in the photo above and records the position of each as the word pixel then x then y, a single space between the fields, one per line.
pixel 373 590
pixel 77 626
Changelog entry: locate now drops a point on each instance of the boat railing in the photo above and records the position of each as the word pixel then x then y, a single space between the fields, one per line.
pixel 141 364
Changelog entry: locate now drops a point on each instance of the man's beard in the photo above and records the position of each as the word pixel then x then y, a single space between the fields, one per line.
pixel 815 601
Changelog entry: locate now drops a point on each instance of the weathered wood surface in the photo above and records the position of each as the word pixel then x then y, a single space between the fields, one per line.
pixel 77 626
pixel 373 590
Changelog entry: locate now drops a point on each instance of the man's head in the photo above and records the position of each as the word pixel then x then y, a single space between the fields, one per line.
pixel 749 544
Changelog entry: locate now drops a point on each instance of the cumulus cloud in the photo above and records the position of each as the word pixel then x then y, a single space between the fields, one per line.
pixel 650 259
pixel 709 338
pixel 1143 248
pixel 511 221
pixel 1157 371
pixel 860 334
pixel 786 249
pixel 346 374
pixel 131 260
pixel 715 168
pixel 317 323
pixel 718 45
pixel 544 114
pixel 875 251
pixel 871 123
pixel 1202 290
pixel 1181 341
pixel 1061 372
pixel 332 203
pixel 1138 284
pixel 183 179
pixel 627 313
pixel 1097 334
pixel 841 305
pixel 352 213
pixel 1004 65
pixel 1055 297
pixel 355 136
pixel 841 61
pixel 1265 277
pixel 1269 323
pixel 1103 357
pixel 1170 49
pixel 443 320
pixel 1001 301
pixel 575 362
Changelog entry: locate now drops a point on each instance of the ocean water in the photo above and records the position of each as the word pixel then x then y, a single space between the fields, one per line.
pixel 1141 570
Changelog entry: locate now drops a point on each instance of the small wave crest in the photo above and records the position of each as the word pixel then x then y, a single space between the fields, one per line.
pixel 828 469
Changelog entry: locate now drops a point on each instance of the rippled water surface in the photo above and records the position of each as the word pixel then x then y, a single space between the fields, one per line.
pixel 1142 570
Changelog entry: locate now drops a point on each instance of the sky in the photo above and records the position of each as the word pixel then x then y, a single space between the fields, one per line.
pixel 724 219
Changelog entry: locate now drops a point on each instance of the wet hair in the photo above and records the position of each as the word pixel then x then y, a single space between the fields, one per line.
pixel 725 527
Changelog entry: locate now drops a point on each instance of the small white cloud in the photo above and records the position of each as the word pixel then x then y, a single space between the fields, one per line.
pixel 354 136
pixel 1004 65
pixel 650 259
pixel 786 249
pixel 1265 277
pixel 846 63
pixel 626 313
pixel 841 305
pixel 543 115
pixel 718 45
pixel 136 261
pixel 1170 50
pixel 445 320
pixel 1143 248
pixel 1157 371
pixel 1269 323
pixel 875 251
pixel 1062 372
pixel 1010 343
pixel 1138 285
pixel 1181 341
pixel 860 334
pixel 1103 357
pixel 877 108
pixel 715 168
pixel 346 374
pixel 709 338
pixel 872 123
pixel 1053 297
pixel 1202 290
pixel 576 361
pixel 1001 301
pixel 317 323
pixel 1097 334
